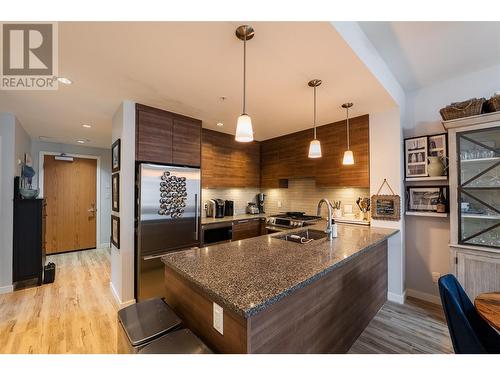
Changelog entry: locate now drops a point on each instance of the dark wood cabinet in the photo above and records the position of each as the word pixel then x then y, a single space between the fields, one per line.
pixel 186 142
pixel 247 228
pixel 167 138
pixel 286 157
pixel 227 163
pixel 331 171
pixel 29 246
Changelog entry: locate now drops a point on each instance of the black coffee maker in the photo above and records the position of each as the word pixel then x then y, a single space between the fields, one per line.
pixel 260 202
pixel 219 208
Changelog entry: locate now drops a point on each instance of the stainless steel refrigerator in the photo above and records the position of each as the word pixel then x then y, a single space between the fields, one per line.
pixel 168 220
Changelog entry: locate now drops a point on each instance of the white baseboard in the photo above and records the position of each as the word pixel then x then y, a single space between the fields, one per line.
pixel 118 302
pixel 6 289
pixel 424 296
pixel 398 298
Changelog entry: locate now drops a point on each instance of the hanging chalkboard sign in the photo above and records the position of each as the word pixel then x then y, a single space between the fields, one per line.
pixel 385 206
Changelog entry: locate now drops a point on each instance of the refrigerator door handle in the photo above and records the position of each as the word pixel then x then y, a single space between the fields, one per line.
pixel 196 215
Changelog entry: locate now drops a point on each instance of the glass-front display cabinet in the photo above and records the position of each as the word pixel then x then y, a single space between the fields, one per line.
pixel 474 170
pixel 478 188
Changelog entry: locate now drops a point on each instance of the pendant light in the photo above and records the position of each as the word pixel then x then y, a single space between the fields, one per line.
pixel 314 146
pixel 348 155
pixel 244 130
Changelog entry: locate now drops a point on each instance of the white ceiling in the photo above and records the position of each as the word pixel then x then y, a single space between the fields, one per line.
pixel 185 67
pixel 422 53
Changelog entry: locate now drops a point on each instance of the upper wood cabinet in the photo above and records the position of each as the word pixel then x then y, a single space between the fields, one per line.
pixel 167 138
pixel 286 157
pixel 227 163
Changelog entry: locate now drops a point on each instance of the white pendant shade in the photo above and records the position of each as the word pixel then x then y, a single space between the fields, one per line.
pixel 244 131
pixel 314 149
pixel 348 158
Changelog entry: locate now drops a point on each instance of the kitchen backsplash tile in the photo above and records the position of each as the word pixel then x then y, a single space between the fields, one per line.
pixel 301 195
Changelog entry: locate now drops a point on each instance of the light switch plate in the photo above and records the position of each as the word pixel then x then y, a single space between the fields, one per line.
pixel 279 204
pixel 218 318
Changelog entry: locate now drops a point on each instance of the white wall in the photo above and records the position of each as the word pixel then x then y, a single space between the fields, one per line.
pixel 15 142
pixel 105 182
pixel 122 260
pixel 386 152
pixel 427 238
pixel 386 163
pixel 7 134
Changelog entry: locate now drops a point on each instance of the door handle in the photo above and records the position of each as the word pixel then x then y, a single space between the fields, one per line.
pixel 196 215
pixel 92 209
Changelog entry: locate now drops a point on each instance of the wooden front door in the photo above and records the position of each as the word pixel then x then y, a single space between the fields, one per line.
pixel 70 193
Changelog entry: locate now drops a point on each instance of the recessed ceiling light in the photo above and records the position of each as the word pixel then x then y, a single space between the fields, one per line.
pixel 220 124
pixel 80 141
pixel 65 80
pixel 87 126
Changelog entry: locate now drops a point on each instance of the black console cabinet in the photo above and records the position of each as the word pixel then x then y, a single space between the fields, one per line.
pixel 29 233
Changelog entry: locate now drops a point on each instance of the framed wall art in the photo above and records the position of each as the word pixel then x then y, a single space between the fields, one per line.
pixel 416 157
pixel 115 231
pixel 116 156
pixel 115 192
pixel 426 198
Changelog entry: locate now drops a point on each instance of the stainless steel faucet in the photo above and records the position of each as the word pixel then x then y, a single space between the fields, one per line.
pixel 328 229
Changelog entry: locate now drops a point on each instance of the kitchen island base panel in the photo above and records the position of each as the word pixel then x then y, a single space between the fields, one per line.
pixel 326 316
pixel 196 311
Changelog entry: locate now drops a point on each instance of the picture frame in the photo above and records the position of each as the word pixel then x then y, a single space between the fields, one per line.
pixel 115 231
pixel 386 207
pixel 438 146
pixel 424 198
pixel 416 152
pixel 116 156
pixel 419 149
pixel 115 192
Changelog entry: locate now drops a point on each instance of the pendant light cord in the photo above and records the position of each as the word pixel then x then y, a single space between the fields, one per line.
pixel 244 71
pixel 314 112
pixel 347 109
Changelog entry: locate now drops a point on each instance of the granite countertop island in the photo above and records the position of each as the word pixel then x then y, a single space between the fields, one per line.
pixel 267 295
pixel 249 275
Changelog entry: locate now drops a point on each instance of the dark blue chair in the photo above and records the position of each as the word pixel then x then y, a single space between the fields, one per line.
pixel 470 334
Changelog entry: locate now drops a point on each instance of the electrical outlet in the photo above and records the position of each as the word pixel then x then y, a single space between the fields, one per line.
pixel 435 277
pixel 348 208
pixel 279 204
pixel 218 318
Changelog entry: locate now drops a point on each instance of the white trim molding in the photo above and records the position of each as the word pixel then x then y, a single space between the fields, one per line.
pixel 119 304
pixel 423 296
pixel 98 185
pixel 6 289
pixel 398 298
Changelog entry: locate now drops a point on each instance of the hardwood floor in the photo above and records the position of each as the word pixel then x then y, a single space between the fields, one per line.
pixel 77 314
pixel 416 327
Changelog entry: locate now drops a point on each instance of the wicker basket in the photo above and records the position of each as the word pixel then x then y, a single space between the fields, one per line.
pixel 471 107
pixel 493 103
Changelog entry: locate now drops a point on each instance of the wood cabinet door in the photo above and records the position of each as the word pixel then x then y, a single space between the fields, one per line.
pixel 186 142
pixel 478 273
pixel 269 164
pixel 154 130
pixel 227 163
pixel 330 171
pixel 246 229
